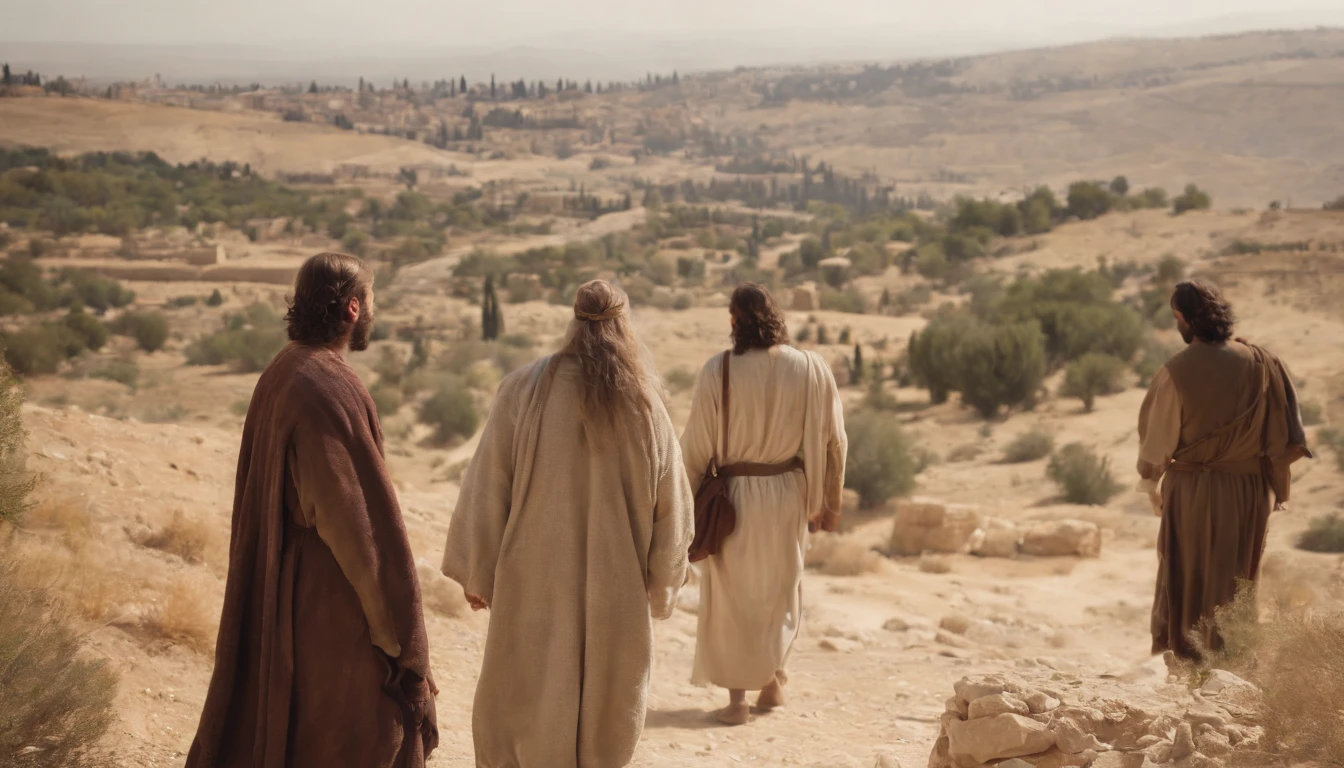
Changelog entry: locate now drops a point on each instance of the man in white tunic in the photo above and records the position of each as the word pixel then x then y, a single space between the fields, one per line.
pixel 572 527
pixel 783 407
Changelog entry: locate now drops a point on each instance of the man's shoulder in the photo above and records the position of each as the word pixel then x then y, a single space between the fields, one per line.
pixel 316 377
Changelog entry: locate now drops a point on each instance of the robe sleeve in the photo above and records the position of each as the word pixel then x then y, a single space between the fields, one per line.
pixel 344 488
pixel 1159 430
pixel 1285 437
pixel 673 524
pixel 476 532
pixel 702 427
pixel 837 449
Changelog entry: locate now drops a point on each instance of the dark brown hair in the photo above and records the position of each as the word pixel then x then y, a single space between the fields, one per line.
pixel 760 324
pixel 325 284
pixel 1208 315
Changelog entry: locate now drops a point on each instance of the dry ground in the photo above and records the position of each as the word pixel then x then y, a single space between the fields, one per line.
pixel 135 523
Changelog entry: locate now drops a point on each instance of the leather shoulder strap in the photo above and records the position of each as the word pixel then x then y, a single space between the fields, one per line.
pixel 727 361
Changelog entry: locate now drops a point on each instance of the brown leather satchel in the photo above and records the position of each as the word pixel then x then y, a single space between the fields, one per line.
pixel 715 517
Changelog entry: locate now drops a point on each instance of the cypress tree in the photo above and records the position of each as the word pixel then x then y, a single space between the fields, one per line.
pixel 858 364
pixel 492 322
pixel 7 75
pixel 492 87
pixel 462 86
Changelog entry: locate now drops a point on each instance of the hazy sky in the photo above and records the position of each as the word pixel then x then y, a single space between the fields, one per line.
pixel 431 22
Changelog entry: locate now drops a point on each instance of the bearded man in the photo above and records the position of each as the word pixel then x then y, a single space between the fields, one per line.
pixel 322 658
pixel 1218 431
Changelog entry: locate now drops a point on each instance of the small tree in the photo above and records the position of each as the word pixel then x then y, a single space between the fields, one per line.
pixel 880 464
pixel 149 329
pixel 1194 199
pixel 1120 186
pixel 91 333
pixel 856 375
pixel 492 322
pixel 1091 375
pixel 216 299
pixel 996 366
pixel 1088 199
pixel 1082 476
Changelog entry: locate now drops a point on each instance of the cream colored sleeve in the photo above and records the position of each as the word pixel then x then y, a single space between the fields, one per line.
pixel 837 451
pixel 700 439
pixel 1159 430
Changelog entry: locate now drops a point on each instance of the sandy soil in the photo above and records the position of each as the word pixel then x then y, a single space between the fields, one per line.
pixel 880 693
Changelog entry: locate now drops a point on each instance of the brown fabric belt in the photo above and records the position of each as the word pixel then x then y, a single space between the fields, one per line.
pixel 1245 467
pixel 753 469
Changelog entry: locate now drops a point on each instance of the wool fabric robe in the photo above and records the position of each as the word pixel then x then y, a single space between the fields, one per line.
pixel 577 543
pixel 1219 429
pixel 783 403
pixel 322 659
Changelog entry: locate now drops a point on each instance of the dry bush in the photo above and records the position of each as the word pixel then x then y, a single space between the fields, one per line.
pixel 182 616
pixel 679 380
pixel 1296 656
pixel 55 705
pixel 1033 445
pixel 64 515
pixel 934 564
pixel 440 594
pixel 836 554
pixel 186 537
pixel 955 623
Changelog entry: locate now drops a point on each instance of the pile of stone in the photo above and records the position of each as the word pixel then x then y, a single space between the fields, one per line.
pixel 926 526
pixel 1063 720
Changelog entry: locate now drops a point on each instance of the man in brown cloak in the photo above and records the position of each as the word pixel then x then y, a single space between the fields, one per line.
pixel 1219 429
pixel 322 658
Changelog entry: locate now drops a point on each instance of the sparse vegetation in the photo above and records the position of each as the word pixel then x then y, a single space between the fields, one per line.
pixel 679 380
pixel 1029 446
pixel 248 341
pixel 121 371
pixel 1313 414
pixel 881 464
pixel 1082 476
pixel 836 554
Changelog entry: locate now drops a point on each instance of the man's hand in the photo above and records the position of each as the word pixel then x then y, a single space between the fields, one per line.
pixel 476 602
pixel 826 521
pixel 1155 498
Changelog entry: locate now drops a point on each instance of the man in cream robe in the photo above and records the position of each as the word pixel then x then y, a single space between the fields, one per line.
pixel 574 547
pixel 783 403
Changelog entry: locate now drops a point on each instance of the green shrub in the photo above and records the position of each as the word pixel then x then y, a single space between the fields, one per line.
pixel 451 411
pixel 121 371
pixel 679 380
pixel 40 349
pixel 1312 413
pixel 850 301
pixel 1334 439
pixel 1000 365
pixel 387 399
pixel 216 299
pixel 931 354
pixel 182 302
pixel 1082 476
pixel 95 291
pixel 1029 446
pixel 248 341
pixel 880 464
pixel 1193 199
pixel 91 333
pixel 149 329
pixel 1155 356
pixel 1093 375
pixel 1088 200
pixel 1324 534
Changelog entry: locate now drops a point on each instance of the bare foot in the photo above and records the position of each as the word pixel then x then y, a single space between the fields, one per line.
pixel 734 714
pixel 772 695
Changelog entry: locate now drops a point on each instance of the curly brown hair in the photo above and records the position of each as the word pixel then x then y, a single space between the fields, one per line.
pixel 1206 312
pixel 758 322
pixel 325 283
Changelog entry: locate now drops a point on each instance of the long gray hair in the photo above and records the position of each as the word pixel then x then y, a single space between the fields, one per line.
pixel 616 368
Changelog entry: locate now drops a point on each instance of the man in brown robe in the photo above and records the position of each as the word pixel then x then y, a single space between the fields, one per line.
pixel 322 658
pixel 1219 429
